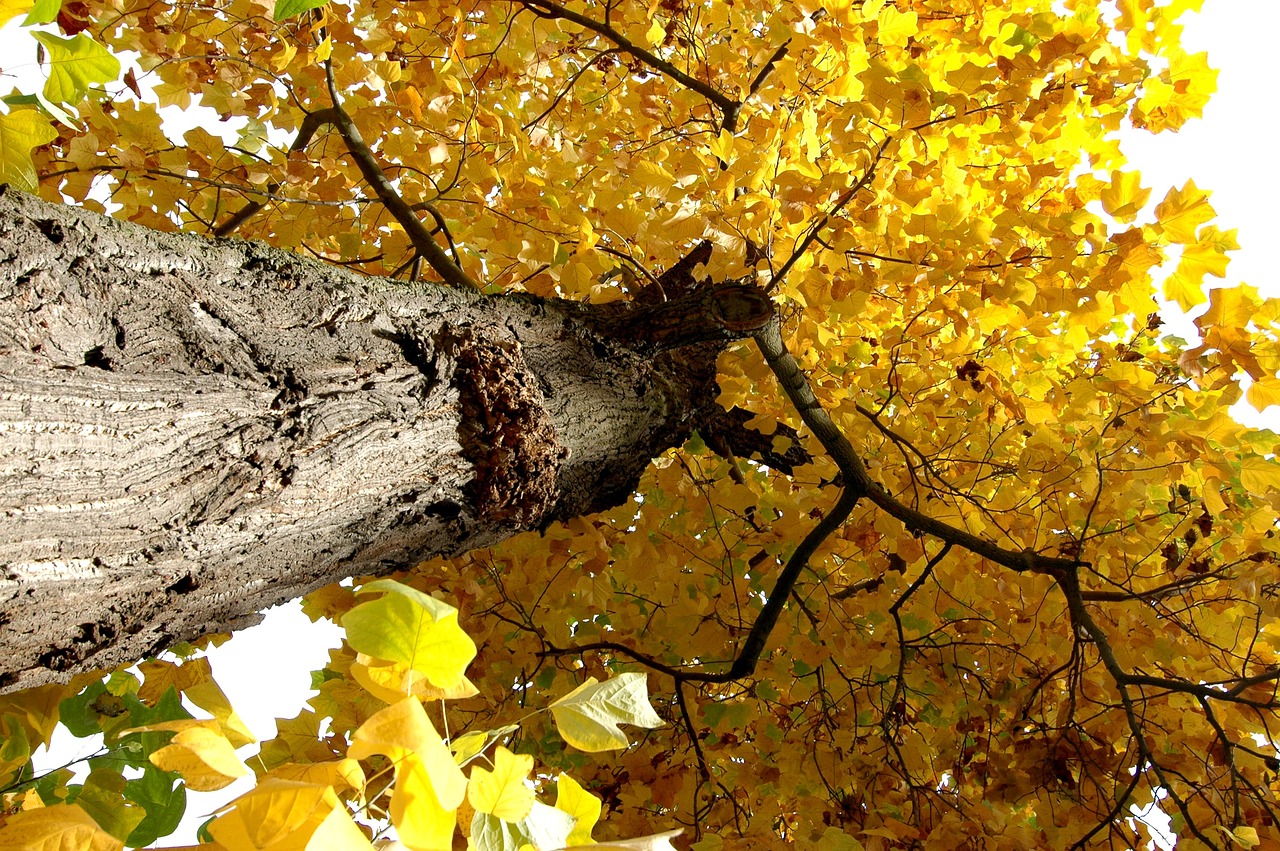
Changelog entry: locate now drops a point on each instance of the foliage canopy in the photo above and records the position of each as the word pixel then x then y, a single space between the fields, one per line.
pixel 1027 558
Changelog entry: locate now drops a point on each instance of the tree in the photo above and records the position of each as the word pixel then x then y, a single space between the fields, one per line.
pixel 289 431
pixel 965 552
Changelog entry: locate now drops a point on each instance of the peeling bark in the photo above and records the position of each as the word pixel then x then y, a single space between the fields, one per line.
pixel 193 430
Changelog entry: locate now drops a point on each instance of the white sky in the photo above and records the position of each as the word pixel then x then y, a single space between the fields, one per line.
pixel 1226 151
pixel 265 670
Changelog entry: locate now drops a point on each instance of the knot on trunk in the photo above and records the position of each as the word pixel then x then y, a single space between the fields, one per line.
pixel 505 430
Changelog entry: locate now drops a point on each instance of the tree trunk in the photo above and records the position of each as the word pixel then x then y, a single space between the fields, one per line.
pixel 193 430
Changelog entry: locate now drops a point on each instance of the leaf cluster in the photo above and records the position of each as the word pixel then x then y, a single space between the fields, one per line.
pixel 314 790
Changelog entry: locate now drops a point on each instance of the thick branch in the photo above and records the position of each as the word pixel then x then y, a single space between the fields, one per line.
pixel 796 386
pixel 727 433
pixel 192 430
pixel 722 313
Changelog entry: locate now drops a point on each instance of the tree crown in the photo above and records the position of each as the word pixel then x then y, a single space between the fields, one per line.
pixel 979 554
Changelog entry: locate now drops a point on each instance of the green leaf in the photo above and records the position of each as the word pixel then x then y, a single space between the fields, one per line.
pixel 289 8
pixel 588 717
pixel 20 131
pixel 408 626
pixel 544 827
pixel 78 714
pixel 164 798
pixel 51 787
pixel 43 12
pixel 135 749
pixel 102 797
pixel 1022 40
pixel 727 715
pixel 75 64
pixel 122 683
pixel 14 747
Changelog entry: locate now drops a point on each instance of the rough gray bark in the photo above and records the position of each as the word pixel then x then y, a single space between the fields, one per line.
pixel 192 430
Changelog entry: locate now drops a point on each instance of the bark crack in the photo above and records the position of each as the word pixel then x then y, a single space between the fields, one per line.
pixel 240 355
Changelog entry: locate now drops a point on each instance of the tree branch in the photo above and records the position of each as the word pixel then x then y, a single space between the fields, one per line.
pixel 310 124
pixel 419 236
pixel 821 224
pixel 900 689
pixel 796 386
pixel 548 9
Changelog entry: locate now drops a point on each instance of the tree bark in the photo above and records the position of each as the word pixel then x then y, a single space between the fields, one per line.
pixel 193 430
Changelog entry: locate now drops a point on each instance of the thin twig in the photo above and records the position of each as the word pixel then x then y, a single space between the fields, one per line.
pixel 821 224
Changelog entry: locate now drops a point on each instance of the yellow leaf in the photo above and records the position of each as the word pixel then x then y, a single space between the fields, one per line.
pixel 809 137
pixel 405 625
pixel 429 784
pixel 204 758
pixel 283 815
pixel 38 707
pixel 1184 287
pixel 1182 212
pixel 468 746
pixel 1260 476
pixel 1124 197
pixel 1263 393
pixel 1245 836
pixel 653 178
pixel 284 55
pixel 20 131
pixel 62 827
pixel 391 681
pixel 421 821
pixel 159 675
pixel 722 147
pixel 173 94
pixel 588 717
pixel 1230 308
pixel 324 50
pixel 896 27
pixel 194 679
pixel 210 697
pixel 504 791
pixel 10 9
pixel 1089 188
pixel 656 34
pixel 1207 255
pixel 571 798
pixel 871 9
pixel 338 773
